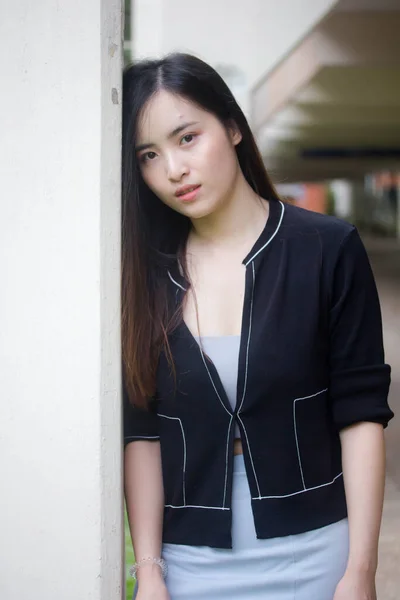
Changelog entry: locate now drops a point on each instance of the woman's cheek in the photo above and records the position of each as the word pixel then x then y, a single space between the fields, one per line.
pixel 215 155
pixel 152 179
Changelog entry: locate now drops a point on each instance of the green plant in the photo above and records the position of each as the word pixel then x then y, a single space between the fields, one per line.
pixel 330 201
pixel 129 560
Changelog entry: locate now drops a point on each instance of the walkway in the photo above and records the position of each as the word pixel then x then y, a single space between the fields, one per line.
pixel 385 259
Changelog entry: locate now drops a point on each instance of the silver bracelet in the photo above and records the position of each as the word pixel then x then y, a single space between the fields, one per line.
pixel 158 561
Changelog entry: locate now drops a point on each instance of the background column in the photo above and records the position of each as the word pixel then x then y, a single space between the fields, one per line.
pixel 60 451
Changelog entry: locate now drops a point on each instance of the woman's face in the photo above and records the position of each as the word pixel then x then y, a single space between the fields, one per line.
pixel 186 156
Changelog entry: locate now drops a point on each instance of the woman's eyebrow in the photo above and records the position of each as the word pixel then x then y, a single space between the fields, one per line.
pixel 173 133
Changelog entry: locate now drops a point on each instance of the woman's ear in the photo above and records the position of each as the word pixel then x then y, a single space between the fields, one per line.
pixel 234 133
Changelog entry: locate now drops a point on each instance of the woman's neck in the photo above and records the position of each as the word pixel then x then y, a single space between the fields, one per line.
pixel 241 218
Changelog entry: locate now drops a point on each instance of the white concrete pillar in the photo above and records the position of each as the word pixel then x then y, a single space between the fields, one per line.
pixel 147 27
pixel 342 192
pixel 60 450
pixel 242 40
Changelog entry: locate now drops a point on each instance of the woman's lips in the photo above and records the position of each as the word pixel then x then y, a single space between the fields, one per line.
pixel 190 194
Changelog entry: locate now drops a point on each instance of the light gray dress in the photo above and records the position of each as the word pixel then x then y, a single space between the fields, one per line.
pixel 305 566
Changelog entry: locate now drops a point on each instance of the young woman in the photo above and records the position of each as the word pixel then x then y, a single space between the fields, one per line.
pixel 254 377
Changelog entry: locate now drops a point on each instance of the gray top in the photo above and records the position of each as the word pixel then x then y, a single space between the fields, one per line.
pixel 224 352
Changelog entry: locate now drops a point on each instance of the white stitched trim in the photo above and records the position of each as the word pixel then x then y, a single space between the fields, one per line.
pixel 245 380
pixel 184 469
pixel 295 430
pixel 251 458
pixel 142 437
pixel 229 428
pixel 230 422
pixel 301 491
pixel 226 460
pixel 175 282
pixel 272 236
pixel 229 413
pixel 297 444
pixel 248 341
pixel 194 506
pixel 312 395
pixel 184 452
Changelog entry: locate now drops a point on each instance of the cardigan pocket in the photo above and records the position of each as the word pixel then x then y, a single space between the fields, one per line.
pixel 173 460
pixel 313 438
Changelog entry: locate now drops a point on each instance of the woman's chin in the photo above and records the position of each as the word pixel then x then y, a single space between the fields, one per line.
pixel 198 210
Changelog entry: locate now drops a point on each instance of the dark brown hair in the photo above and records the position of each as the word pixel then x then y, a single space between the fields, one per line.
pixel 153 235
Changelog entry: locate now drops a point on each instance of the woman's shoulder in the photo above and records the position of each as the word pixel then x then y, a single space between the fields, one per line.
pixel 304 223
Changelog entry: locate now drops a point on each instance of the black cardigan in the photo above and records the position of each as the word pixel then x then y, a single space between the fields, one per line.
pixel 311 362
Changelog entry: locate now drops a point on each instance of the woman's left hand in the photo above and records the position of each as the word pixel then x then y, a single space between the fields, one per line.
pixel 356 586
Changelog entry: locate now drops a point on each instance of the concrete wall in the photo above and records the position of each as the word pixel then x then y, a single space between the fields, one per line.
pixel 60 449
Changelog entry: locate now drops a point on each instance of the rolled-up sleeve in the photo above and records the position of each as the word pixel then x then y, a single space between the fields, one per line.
pixel 139 424
pixel 359 377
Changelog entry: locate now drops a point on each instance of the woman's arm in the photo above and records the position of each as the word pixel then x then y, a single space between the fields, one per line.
pixel 363 458
pixel 359 385
pixel 144 496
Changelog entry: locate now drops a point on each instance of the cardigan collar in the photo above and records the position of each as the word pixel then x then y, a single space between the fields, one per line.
pixel 272 226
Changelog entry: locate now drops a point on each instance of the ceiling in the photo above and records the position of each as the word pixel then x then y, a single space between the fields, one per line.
pixel 351 108
pixel 377 5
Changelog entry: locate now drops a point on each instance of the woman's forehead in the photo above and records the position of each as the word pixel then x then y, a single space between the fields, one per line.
pixel 164 113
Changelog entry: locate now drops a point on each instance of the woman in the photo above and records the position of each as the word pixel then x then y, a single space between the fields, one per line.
pixel 254 377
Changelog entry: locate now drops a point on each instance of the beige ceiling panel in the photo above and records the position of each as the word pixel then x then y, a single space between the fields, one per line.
pixel 366 40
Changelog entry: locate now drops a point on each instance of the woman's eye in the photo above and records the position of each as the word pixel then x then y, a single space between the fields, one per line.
pixel 188 138
pixel 148 156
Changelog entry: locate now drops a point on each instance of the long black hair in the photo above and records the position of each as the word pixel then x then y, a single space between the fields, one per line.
pixel 154 235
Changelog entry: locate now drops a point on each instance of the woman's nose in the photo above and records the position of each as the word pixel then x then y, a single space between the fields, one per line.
pixel 176 168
